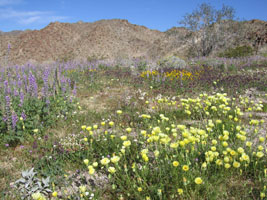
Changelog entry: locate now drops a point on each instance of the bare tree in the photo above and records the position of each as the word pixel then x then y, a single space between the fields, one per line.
pixel 209 26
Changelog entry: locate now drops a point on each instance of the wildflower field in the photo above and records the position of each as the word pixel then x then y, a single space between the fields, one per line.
pixel 115 131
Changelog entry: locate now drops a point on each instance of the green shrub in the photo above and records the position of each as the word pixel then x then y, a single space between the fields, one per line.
pixel 240 51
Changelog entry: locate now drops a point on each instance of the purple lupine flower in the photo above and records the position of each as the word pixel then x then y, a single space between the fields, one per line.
pixel 21 98
pixel 23 115
pixel 35 145
pixel 16 93
pixel 47 101
pixel 45 79
pixel 4 118
pixel 8 102
pixel 19 83
pixel 6 87
pixel 33 88
pixel 14 120
pixel 25 83
pixel 8 114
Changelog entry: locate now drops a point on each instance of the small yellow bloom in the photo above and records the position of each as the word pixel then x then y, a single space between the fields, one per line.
pixel 95 126
pixel 111 123
pixel 86 161
pixel 227 165
pixel 119 112
pixel 111 170
pixel 115 159
pixel 124 137
pixel 175 163
pixel 139 189
pixel 236 164
pixel 261 139
pixel 127 143
pixel 180 191
pixel 35 130
pixel 95 164
pixel 198 180
pixel 262 195
pixel 54 194
pixel 82 188
pixel 259 154
pixel 156 153
pixel 128 130
pixel 85 139
pixel 185 168
pixel 105 161
pixel 91 171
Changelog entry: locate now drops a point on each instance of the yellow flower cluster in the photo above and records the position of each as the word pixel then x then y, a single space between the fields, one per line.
pixel 220 141
pixel 173 75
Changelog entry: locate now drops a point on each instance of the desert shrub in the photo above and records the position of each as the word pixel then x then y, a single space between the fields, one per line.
pixel 172 61
pixel 240 51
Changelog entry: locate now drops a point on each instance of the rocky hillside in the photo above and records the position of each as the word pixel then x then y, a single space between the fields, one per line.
pixel 105 39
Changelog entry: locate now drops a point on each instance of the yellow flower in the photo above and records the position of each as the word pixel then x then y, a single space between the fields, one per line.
pixel 240 150
pixel 174 145
pixel 127 143
pixel 35 130
pixel 185 168
pixel 261 139
pixel 260 148
pixel 232 152
pixel 119 112
pixel 115 159
pixel 86 161
pixel 105 161
pixel 219 162
pixel 225 144
pixel 82 188
pixel 83 127
pixel 145 157
pixel 128 130
pixel 248 144
pixel 180 191
pixel 111 170
pixel 38 196
pixel 236 164
pixel 95 126
pixel 124 137
pixel 259 154
pixel 198 180
pixel 262 195
pixel 54 194
pixel 91 170
pixel 245 157
pixel 85 139
pixel 95 164
pixel 156 153
pixel 139 189
pixel 227 165
pixel 175 163
pixel 111 123
pixel 213 148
